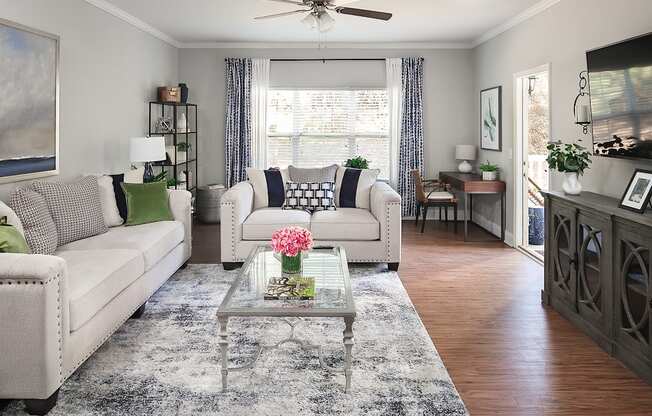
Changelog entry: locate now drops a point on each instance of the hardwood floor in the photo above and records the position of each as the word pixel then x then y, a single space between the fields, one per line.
pixel 506 353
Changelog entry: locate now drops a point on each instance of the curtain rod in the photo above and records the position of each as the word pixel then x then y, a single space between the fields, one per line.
pixel 325 59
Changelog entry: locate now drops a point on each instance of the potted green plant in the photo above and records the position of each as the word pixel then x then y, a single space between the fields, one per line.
pixel 357 162
pixel 183 148
pixel 489 171
pixel 571 160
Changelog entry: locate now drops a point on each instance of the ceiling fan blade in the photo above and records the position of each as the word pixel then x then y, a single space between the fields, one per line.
pixel 296 3
pixel 371 14
pixel 271 16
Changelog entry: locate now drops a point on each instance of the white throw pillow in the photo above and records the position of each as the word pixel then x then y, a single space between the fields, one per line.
pixel 353 187
pixel 269 187
pixel 110 211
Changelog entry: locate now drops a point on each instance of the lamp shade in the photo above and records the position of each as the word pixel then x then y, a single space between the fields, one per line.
pixel 465 152
pixel 147 149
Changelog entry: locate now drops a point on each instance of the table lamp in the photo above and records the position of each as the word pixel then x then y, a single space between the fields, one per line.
pixel 465 153
pixel 147 150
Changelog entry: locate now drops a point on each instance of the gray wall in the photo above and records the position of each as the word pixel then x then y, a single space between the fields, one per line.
pixel 449 98
pixel 559 36
pixel 108 73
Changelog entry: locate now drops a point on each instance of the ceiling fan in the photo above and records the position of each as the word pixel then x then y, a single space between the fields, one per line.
pixel 317 16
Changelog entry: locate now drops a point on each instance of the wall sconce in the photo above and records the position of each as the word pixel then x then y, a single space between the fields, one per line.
pixel 581 106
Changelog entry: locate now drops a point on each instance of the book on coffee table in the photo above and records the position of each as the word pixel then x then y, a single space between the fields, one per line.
pixel 290 288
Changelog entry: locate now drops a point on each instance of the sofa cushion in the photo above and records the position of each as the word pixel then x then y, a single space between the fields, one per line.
pixel 269 187
pixel 153 240
pixel 353 187
pixel 261 224
pixel 325 174
pixel 349 224
pixel 38 226
pixel 95 277
pixel 75 208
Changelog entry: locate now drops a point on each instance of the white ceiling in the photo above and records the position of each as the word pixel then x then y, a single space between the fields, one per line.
pixel 415 21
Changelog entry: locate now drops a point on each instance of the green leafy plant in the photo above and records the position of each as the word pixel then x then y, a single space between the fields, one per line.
pixel 184 147
pixel 488 167
pixel 568 157
pixel 172 183
pixel 357 162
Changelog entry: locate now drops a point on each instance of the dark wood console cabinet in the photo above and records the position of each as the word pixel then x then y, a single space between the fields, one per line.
pixel 597 273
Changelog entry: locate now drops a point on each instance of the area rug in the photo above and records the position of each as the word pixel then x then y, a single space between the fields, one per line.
pixel 167 362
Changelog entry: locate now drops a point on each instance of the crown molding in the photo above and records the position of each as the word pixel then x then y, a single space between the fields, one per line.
pixel 145 27
pixel 515 21
pixel 134 21
pixel 329 45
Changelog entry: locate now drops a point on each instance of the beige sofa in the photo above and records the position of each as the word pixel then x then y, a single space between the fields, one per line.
pixel 55 311
pixel 368 236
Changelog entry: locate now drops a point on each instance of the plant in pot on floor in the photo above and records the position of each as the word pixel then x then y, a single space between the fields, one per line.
pixel 571 160
pixel 489 171
pixel 290 243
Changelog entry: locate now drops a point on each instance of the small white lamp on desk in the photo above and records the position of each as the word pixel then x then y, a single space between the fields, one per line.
pixel 465 153
pixel 148 150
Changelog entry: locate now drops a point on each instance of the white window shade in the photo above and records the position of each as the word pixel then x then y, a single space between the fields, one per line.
pixel 313 128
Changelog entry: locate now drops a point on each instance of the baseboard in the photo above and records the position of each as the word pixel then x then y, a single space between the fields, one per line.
pixel 493 228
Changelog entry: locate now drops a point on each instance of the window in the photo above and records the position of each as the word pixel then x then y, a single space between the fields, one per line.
pixel 312 128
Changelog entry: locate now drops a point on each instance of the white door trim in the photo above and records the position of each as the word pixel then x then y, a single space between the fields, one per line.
pixel 520 197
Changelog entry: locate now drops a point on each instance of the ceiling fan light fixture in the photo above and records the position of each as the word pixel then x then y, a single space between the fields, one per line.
pixel 326 22
pixel 311 21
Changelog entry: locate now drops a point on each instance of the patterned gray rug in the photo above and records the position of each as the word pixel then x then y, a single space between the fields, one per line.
pixel 167 363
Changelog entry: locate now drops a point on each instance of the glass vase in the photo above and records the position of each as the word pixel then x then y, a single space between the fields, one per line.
pixel 291 264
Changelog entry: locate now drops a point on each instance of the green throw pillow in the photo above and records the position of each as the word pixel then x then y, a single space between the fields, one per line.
pixel 11 240
pixel 146 202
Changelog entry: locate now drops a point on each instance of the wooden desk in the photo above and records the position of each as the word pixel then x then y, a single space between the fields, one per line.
pixel 471 184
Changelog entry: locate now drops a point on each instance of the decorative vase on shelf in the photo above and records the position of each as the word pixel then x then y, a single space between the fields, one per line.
pixel 182 123
pixel 572 185
pixel 184 93
pixel 291 264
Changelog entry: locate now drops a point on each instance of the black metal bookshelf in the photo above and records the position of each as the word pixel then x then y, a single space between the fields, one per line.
pixel 174 137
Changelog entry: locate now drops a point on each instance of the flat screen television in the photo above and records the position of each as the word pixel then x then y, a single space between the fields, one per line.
pixel 620 82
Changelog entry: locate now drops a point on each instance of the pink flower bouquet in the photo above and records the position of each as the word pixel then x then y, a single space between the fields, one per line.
pixel 292 241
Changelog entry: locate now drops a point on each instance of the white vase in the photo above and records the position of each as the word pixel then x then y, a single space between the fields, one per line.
pixel 489 176
pixel 572 185
pixel 182 123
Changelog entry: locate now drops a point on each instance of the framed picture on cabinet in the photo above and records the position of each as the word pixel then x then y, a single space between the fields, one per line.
pixel 491 114
pixel 637 195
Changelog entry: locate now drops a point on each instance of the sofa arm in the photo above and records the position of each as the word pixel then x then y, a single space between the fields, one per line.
pixel 180 202
pixel 236 205
pixel 33 322
pixel 386 207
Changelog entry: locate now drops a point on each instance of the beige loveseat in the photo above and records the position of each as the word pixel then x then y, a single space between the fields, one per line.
pixel 368 236
pixel 55 311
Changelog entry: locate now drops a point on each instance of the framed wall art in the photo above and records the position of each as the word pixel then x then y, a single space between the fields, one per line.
pixel 491 111
pixel 29 108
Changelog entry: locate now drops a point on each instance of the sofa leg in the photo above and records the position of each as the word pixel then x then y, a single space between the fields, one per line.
pixel 41 406
pixel 4 403
pixel 183 266
pixel 393 266
pixel 231 266
pixel 139 312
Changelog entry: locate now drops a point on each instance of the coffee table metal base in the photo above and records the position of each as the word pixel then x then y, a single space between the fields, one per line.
pixel 292 338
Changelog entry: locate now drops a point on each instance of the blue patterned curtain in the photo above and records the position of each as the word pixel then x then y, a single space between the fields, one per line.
pixel 411 140
pixel 238 119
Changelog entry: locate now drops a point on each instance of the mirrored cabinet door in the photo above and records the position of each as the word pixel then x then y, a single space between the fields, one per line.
pixel 564 255
pixel 594 288
pixel 633 290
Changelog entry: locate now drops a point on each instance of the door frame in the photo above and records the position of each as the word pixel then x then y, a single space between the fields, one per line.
pixel 520 195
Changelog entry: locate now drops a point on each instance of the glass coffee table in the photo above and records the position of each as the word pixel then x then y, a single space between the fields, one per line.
pixel 333 299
